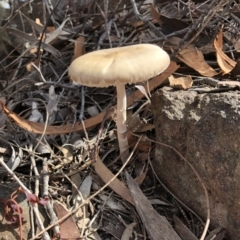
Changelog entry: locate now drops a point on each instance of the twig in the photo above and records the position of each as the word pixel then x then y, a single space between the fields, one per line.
pixel 45 178
pixel 81 116
pixel 106 33
pixel 147 22
pixel 35 205
pixel 78 199
pixel 39 71
pixel 53 217
pixel 92 196
pixel 202 22
pixel 14 176
pixel 106 2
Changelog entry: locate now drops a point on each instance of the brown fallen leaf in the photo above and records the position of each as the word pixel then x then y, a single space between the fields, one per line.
pixel 225 63
pixel 68 228
pixel 156 225
pixel 194 58
pixel 182 230
pixel 128 232
pixel 116 185
pixel 41 128
pixel 181 82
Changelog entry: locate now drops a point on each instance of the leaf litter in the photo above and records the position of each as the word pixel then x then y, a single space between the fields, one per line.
pixel 75 142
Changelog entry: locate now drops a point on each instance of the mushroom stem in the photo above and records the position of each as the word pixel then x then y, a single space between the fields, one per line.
pixel 121 122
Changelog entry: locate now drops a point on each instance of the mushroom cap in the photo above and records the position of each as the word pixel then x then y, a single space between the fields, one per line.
pixel 122 65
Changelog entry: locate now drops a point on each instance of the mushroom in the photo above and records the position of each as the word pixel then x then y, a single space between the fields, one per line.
pixel 117 67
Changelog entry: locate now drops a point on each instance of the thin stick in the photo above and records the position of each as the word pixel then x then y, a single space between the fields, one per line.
pixel 91 197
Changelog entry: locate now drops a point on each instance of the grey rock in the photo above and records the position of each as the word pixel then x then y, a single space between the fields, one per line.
pixel 205 129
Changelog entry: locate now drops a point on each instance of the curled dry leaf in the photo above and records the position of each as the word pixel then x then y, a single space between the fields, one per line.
pixel 194 58
pixel 181 82
pixel 225 63
pixel 15 159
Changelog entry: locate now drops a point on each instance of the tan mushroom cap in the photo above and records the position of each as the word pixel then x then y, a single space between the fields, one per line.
pixel 122 65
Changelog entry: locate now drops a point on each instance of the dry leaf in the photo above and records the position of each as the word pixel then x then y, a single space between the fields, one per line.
pixel 14 160
pixel 35 24
pixel 127 234
pixel 195 59
pixel 68 227
pixel 182 230
pixel 116 185
pixel 33 41
pixel 181 82
pixel 85 187
pixel 225 63
pixel 143 90
pixel 151 219
pixel 56 33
